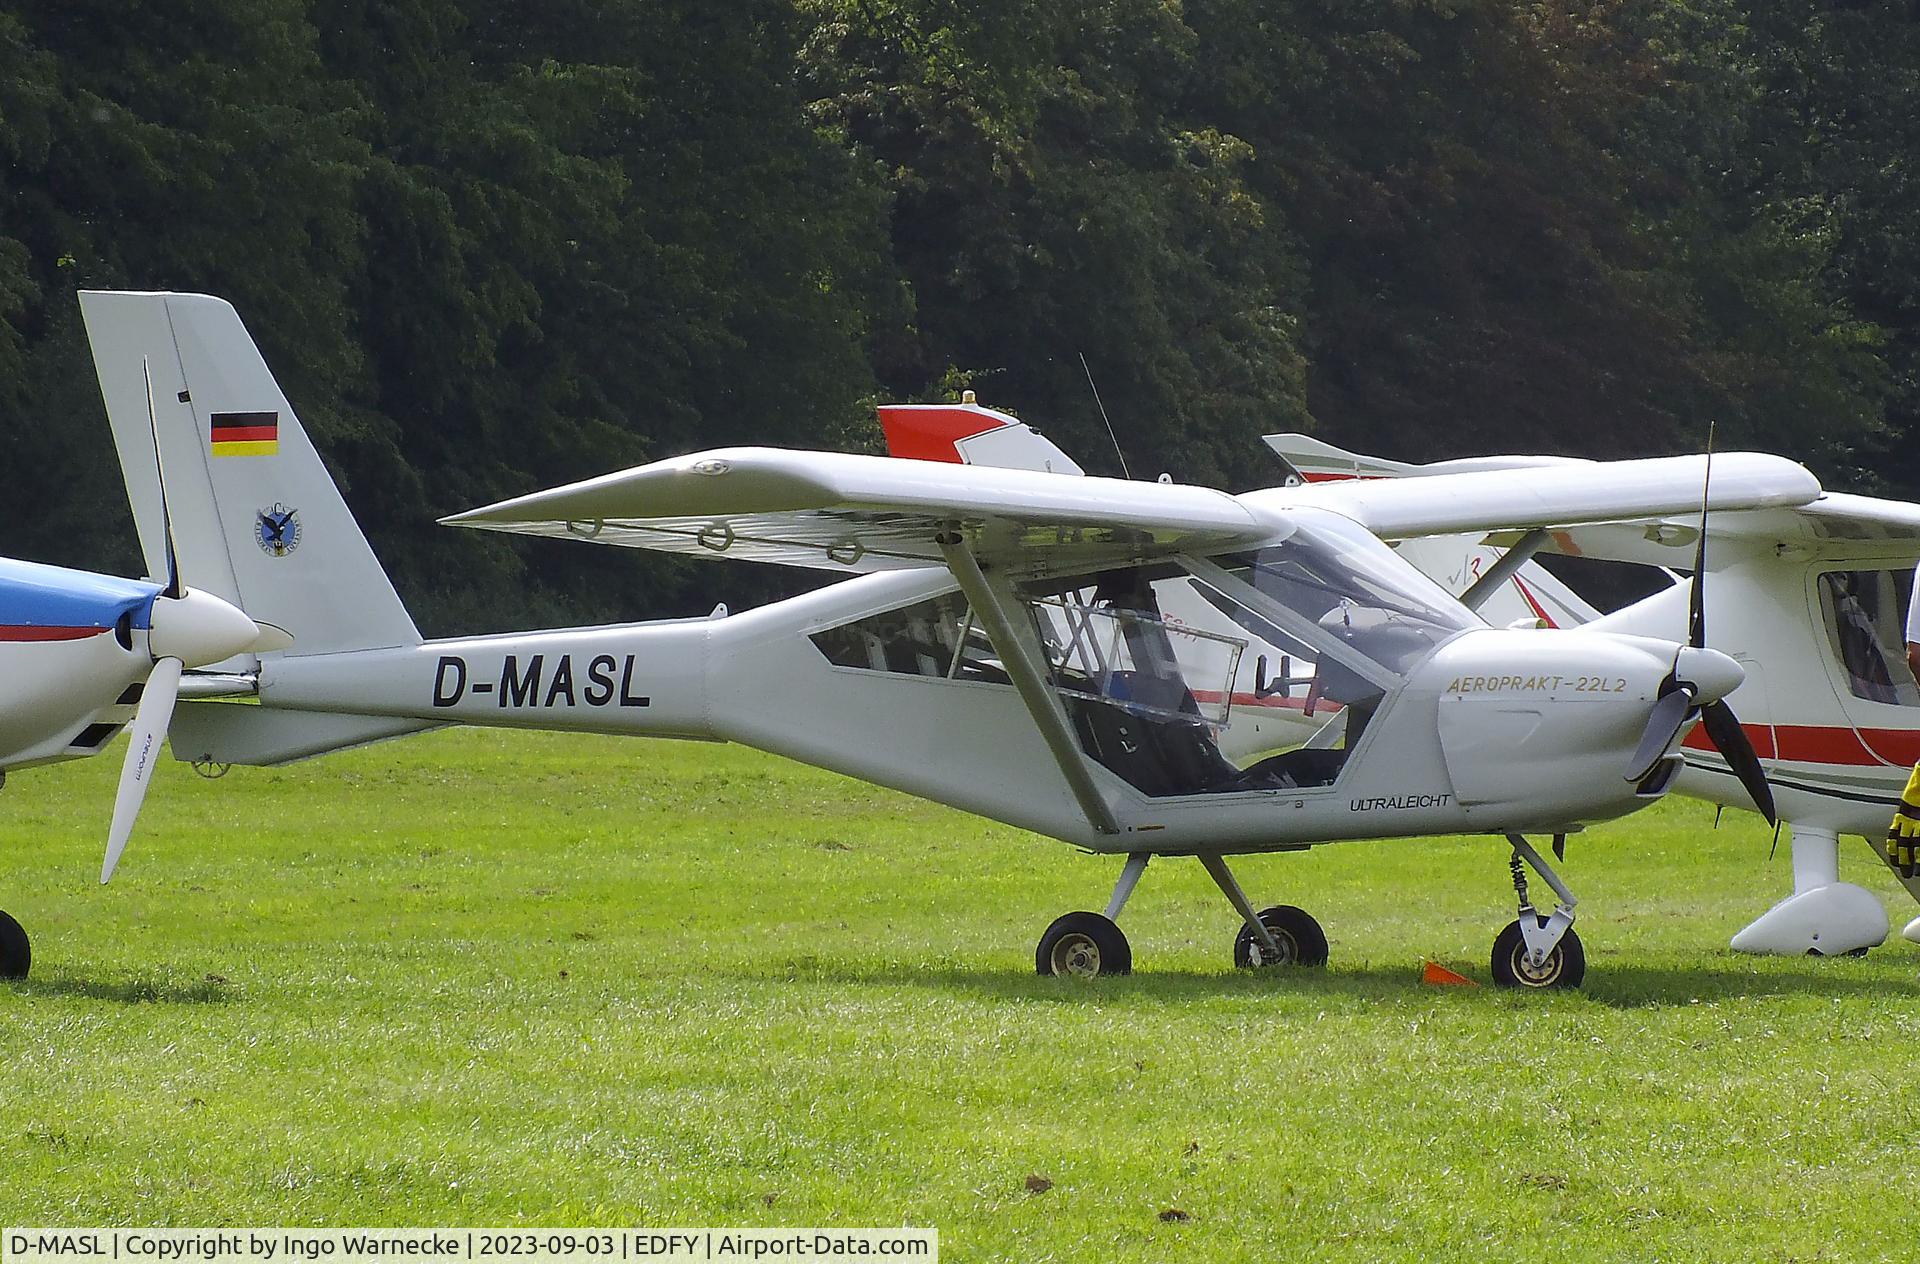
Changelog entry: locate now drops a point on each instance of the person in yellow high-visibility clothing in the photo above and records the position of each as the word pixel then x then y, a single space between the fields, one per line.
pixel 1903 836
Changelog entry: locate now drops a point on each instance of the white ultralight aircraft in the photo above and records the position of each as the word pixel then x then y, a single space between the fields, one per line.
pixel 1811 600
pixel 1007 641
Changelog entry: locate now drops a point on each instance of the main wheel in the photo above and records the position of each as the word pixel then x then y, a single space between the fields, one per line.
pixel 16 954
pixel 1564 967
pixel 1301 941
pixel 1083 945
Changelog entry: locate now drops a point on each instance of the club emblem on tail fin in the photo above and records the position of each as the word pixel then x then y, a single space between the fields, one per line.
pixel 277 530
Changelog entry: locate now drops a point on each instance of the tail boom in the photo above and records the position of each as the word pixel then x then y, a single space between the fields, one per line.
pixel 638 680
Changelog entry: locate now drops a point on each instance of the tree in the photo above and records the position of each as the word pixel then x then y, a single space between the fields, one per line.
pixel 1053 199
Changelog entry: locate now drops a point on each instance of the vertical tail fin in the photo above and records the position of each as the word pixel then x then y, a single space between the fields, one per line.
pixel 257 519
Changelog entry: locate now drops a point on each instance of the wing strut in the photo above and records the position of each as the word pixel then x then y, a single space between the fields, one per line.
pixel 1017 658
pixel 1503 570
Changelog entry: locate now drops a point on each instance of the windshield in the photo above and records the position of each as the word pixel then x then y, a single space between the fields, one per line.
pixel 1343 579
pixel 1255 672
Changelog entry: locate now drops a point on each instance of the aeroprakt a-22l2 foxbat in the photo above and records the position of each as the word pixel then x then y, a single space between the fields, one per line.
pixel 1137 669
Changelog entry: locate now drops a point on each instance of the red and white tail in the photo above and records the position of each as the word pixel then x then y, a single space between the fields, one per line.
pixel 967 434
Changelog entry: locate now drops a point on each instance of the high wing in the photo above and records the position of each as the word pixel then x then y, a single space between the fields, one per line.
pixel 1839 516
pixel 1556 495
pixel 846 512
pixel 1835 527
pixel 840 511
pixel 1832 525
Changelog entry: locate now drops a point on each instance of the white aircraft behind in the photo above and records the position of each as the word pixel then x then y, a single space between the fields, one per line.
pixel 1812 601
pixel 1005 642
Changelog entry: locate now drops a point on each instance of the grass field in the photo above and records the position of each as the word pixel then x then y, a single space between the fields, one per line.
pixel 485 978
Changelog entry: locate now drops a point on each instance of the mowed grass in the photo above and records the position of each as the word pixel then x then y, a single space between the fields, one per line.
pixel 482 978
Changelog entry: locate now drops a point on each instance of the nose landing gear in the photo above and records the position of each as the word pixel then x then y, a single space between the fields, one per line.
pixel 1535 951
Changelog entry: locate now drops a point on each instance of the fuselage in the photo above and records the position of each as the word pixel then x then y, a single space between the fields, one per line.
pixel 1398 711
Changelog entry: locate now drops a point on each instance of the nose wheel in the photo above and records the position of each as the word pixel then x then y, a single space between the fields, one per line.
pixel 16 953
pixel 1564 966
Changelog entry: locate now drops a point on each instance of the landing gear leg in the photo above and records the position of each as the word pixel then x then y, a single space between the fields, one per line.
pixel 1824 916
pixel 1084 945
pixel 1279 936
pixel 1129 879
pixel 16 953
pixel 1535 951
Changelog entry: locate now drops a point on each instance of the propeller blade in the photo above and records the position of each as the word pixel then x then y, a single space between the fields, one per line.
pixel 149 729
pixel 1663 722
pixel 1731 741
pixel 1697 599
pixel 173 588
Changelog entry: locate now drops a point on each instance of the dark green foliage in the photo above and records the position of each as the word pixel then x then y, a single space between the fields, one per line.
pixel 1053 198
pixel 492 245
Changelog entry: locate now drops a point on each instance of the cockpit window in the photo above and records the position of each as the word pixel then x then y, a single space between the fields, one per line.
pixel 1866 616
pixel 1348 583
pixel 1189 679
pixel 1126 652
pixel 936 637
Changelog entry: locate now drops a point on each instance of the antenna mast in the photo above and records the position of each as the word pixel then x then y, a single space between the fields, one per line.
pixel 1103 415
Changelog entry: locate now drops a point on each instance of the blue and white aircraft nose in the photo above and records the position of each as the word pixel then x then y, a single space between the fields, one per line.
pixel 199 628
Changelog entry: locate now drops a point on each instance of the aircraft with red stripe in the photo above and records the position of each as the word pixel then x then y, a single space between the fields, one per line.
pixel 1812 601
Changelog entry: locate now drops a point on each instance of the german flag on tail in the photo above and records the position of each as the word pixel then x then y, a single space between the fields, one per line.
pixel 246 434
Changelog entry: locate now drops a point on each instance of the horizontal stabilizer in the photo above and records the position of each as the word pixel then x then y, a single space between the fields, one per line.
pixel 241 733
pixel 863 513
pixel 1317 461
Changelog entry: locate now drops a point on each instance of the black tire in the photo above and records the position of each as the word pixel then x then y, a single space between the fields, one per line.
pixel 1302 942
pixel 1565 966
pixel 16 954
pixel 1083 945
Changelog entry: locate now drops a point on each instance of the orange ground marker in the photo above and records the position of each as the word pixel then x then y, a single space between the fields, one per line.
pixel 1437 975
